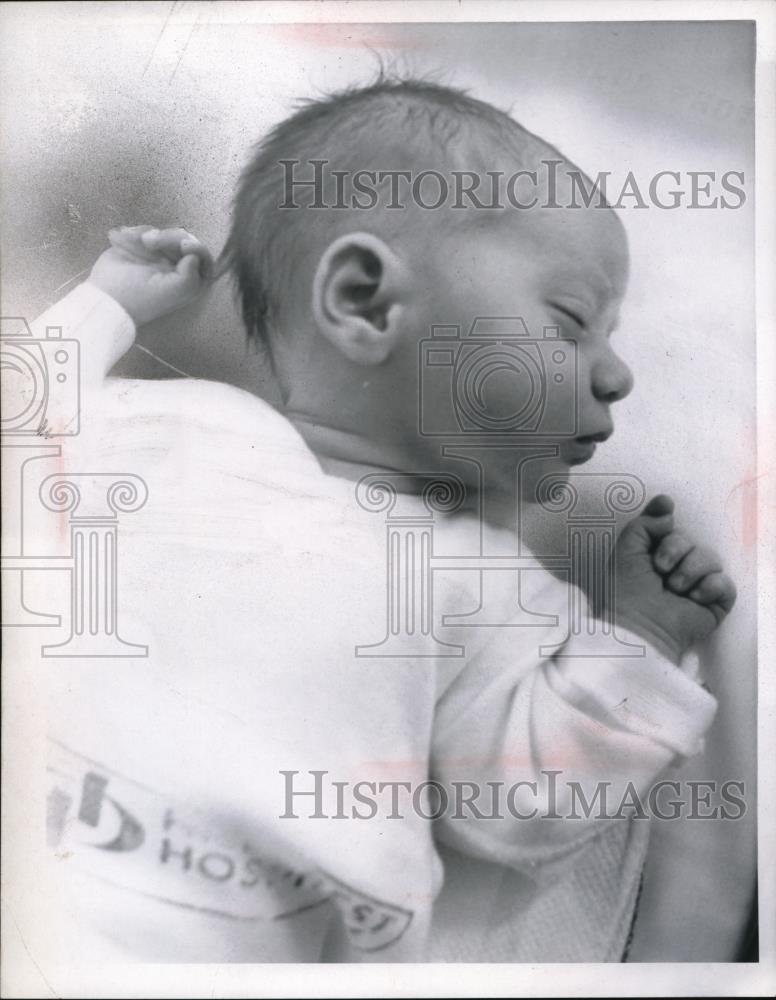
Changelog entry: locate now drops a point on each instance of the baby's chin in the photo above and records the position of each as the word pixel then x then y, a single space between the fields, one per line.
pixel 556 468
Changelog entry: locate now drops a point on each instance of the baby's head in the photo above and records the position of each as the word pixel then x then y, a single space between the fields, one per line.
pixel 343 279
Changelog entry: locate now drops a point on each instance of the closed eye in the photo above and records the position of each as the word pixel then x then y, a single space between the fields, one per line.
pixel 569 314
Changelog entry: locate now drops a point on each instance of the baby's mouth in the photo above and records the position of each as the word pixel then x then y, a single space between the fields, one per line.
pixel 581 449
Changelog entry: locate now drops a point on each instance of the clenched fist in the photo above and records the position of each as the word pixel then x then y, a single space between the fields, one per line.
pixel 668 590
pixel 152 272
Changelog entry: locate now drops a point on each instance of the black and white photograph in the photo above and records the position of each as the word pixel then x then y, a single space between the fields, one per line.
pixel 387 447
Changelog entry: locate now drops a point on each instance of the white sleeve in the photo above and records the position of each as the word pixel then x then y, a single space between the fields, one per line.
pixel 103 329
pixel 566 739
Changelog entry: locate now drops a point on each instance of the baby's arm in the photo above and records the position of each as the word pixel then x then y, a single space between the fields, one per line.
pixel 145 274
pixel 610 725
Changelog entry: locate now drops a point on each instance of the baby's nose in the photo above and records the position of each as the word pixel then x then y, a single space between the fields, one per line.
pixel 612 378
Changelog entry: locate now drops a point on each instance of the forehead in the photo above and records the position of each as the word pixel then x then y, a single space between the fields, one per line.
pixel 583 246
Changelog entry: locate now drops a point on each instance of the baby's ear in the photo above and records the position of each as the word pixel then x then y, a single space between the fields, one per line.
pixel 360 291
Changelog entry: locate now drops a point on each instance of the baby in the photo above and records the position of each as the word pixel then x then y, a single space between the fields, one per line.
pixel 257 580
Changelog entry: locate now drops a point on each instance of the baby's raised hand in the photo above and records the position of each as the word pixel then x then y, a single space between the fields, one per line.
pixel 152 272
pixel 667 589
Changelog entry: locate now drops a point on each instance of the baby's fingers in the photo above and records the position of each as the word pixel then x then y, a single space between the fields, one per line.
pixel 715 591
pixel 203 255
pixel 698 563
pixel 655 521
pixel 130 240
pixel 166 241
pixel 188 269
pixel 671 550
pixel 177 243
